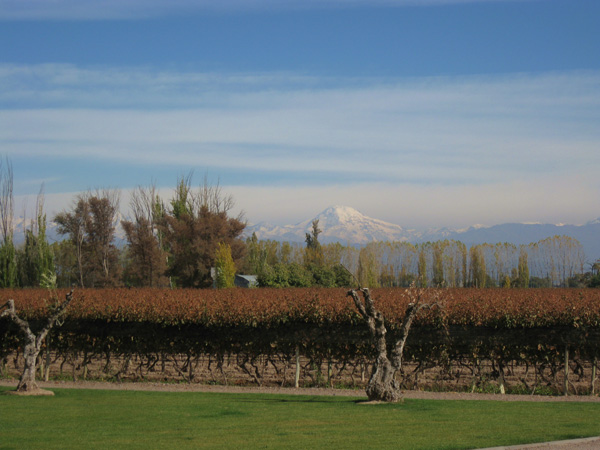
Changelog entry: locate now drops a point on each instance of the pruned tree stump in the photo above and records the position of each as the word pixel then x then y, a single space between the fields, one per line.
pixel 382 386
pixel 33 346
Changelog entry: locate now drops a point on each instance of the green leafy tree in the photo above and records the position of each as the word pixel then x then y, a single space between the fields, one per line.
pixel 65 262
pixel 299 275
pixel 538 282
pixel 8 264
pixel 224 267
pixel 276 275
pixel 35 259
pixel 322 276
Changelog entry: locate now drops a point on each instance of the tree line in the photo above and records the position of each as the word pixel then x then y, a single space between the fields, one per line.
pixel 194 241
pixel 557 261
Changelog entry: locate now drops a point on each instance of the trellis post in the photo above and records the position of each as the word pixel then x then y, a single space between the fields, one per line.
pixel 566 387
pixel 594 366
pixel 297 377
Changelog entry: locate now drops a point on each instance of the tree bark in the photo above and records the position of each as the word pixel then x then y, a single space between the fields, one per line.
pixel 382 384
pixel 33 344
pixel 30 354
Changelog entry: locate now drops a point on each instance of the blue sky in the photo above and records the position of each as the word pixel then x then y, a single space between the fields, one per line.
pixel 422 113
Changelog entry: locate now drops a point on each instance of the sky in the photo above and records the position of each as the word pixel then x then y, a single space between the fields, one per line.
pixel 425 114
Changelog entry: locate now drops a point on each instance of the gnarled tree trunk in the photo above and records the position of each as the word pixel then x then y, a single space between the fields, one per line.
pixel 33 345
pixel 382 385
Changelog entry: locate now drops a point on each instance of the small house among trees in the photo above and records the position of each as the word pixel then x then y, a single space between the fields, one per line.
pixel 246 281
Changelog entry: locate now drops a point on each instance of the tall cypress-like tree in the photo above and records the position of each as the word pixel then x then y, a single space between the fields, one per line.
pixel 438 263
pixel 8 255
pixel 224 267
pixel 35 259
pixel 368 266
pixel 314 252
pixel 523 269
pixel 422 267
pixel 478 269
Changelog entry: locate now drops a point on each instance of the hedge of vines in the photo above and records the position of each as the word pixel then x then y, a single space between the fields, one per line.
pixel 532 326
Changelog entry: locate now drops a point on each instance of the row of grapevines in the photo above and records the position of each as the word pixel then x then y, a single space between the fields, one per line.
pixel 497 308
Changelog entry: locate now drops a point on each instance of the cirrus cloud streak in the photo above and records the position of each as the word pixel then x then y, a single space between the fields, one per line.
pixel 478 140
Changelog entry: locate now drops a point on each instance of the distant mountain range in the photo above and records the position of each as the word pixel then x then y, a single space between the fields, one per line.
pixel 348 226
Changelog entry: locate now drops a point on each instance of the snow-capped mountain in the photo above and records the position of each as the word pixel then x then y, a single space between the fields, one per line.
pixel 338 224
pixel 348 226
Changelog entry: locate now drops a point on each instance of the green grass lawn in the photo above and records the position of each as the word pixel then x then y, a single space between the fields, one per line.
pixel 76 418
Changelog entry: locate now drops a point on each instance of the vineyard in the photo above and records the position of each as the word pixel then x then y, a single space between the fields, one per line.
pixel 530 339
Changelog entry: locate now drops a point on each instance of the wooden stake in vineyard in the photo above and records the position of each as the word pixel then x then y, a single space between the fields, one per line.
pixel 33 344
pixel 382 385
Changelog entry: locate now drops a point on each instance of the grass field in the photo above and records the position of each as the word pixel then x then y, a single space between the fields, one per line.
pixel 133 419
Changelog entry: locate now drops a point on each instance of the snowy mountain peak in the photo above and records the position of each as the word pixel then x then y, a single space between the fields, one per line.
pixel 342 213
pixel 337 215
pixel 337 224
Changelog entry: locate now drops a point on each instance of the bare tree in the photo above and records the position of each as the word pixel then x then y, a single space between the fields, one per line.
pixel 147 259
pixel 33 344
pixel 100 231
pixel 91 228
pixel 73 224
pixel 382 385
pixel 212 197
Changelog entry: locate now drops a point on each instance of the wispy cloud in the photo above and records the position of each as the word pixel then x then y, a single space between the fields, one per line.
pixel 525 144
pixel 128 9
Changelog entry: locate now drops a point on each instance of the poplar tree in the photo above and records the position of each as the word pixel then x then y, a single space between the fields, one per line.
pixel 8 256
pixel 438 263
pixel 368 267
pixel 314 252
pixel 224 267
pixel 478 270
pixel 422 267
pixel 523 269
pixel 36 260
